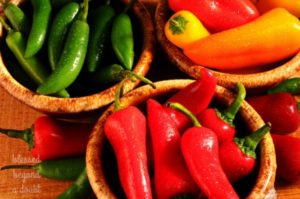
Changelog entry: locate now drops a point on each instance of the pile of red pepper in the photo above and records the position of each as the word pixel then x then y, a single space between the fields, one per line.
pixel 236 34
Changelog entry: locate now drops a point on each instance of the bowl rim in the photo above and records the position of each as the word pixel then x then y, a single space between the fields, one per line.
pixel 68 106
pixel 267 171
pixel 264 79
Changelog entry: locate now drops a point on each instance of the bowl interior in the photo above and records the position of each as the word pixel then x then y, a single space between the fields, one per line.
pixel 251 79
pixel 99 154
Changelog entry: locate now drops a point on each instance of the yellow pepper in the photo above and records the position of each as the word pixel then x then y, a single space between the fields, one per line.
pixel 271 37
pixel 183 28
pixel 293 6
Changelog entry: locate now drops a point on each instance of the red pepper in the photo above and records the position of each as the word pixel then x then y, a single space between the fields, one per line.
pixel 218 15
pixel 50 138
pixel 287 156
pixel 238 156
pixel 222 122
pixel 196 97
pixel 171 175
pixel 126 130
pixel 200 149
pixel 280 109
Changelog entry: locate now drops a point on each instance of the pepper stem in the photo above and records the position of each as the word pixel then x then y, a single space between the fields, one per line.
pixel 131 3
pixel 119 92
pixel 85 11
pixel 5 25
pixel 249 143
pixel 15 166
pixel 185 111
pixel 231 112
pixel 25 135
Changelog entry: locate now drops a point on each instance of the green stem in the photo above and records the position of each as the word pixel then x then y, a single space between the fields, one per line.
pixel 131 3
pixel 15 166
pixel 85 11
pixel 127 74
pixel 298 105
pixel 25 135
pixel 231 112
pixel 184 110
pixel 5 25
pixel 118 94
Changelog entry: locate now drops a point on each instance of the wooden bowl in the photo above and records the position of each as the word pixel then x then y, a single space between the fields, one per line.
pixel 263 183
pixel 251 79
pixel 69 107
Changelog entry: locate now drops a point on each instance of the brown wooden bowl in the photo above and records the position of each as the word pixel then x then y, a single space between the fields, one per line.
pixel 263 181
pixel 69 107
pixel 251 80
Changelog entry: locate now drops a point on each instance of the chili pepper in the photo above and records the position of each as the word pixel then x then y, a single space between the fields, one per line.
pixel 218 15
pixel 100 22
pixel 80 189
pixel 33 67
pixel 17 18
pixel 58 31
pixel 280 109
pixel 272 37
pixel 222 122
pixel 39 26
pixel 287 157
pixel 293 6
pixel 183 28
pixel 72 58
pixel 196 97
pixel 57 4
pixel 291 86
pixel 238 156
pixel 60 169
pixel 171 175
pixel 122 38
pixel 200 150
pixel 50 138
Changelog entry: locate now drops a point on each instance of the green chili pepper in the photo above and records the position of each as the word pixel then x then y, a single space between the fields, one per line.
pixel 39 26
pixel 17 18
pixel 57 4
pixel 122 38
pixel 80 189
pixel 100 23
pixel 58 31
pixel 289 85
pixel 61 169
pixel 72 58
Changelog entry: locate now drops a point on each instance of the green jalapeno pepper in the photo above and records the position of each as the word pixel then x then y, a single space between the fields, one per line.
pixel 58 31
pixel 39 26
pixel 72 58
pixel 289 85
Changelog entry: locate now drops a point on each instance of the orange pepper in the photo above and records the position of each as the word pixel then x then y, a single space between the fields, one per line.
pixel 293 6
pixel 271 37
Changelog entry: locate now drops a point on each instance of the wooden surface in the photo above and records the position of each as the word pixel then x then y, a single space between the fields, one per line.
pixel 26 184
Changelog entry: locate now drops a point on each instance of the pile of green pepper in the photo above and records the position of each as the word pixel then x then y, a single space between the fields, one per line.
pixel 68 46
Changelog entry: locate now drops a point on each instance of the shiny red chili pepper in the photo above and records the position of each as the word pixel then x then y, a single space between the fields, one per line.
pixel 238 156
pixel 126 130
pixel 218 15
pixel 287 156
pixel 171 175
pixel 50 138
pixel 280 109
pixel 196 97
pixel 222 122
pixel 200 149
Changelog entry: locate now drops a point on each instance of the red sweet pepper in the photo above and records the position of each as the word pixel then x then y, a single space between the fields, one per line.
pixel 50 138
pixel 218 15
pixel 200 149
pixel 196 97
pixel 222 122
pixel 171 175
pixel 238 156
pixel 280 109
pixel 126 131
pixel 287 156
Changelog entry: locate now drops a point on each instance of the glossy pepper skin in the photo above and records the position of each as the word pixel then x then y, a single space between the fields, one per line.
pixel 238 156
pixel 293 6
pixel 218 15
pixel 271 37
pixel 222 122
pixel 291 86
pixel 280 109
pixel 125 129
pixel 171 175
pixel 50 138
pixel 196 97
pixel 287 156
